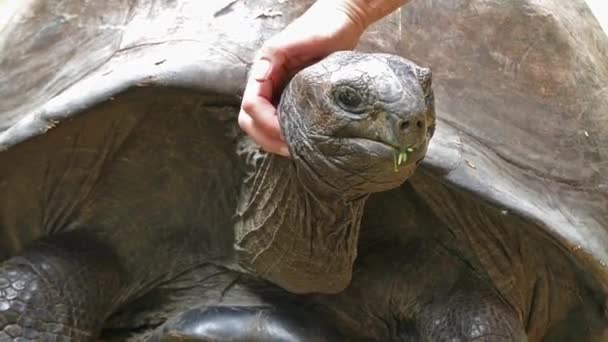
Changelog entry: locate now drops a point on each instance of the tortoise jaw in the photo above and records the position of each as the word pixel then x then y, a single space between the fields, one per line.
pixel 388 145
pixel 401 154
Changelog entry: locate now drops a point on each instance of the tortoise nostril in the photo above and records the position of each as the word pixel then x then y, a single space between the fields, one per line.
pixel 419 124
pixel 404 125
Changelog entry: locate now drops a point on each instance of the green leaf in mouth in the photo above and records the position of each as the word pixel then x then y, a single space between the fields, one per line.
pixel 400 157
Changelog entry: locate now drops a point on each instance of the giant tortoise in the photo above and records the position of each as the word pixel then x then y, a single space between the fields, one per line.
pixel 134 209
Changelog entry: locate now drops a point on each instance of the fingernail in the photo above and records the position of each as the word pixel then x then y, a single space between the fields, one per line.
pixel 284 151
pixel 260 70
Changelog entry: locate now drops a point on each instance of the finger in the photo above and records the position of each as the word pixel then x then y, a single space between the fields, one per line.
pixel 260 109
pixel 261 69
pixel 269 70
pixel 267 143
pixel 269 63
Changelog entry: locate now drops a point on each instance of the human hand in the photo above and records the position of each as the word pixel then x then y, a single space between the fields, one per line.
pixel 322 30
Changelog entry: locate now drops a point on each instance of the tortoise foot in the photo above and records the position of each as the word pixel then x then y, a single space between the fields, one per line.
pixel 479 316
pixel 54 293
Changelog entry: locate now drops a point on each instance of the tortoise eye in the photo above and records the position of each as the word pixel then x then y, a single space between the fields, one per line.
pixel 348 99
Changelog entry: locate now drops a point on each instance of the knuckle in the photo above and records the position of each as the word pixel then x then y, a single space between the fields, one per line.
pixel 248 105
pixel 267 50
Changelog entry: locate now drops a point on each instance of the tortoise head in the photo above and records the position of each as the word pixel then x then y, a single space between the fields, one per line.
pixel 355 124
pixel 358 122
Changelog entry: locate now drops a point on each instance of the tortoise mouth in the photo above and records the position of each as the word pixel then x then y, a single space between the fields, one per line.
pixel 387 150
pixel 372 142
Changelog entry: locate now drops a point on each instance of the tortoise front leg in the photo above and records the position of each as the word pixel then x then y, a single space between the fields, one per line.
pixel 469 312
pixel 59 289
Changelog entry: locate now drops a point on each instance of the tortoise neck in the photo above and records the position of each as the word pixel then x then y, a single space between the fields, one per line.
pixel 294 230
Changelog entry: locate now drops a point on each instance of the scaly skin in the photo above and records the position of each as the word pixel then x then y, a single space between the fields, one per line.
pixel 61 289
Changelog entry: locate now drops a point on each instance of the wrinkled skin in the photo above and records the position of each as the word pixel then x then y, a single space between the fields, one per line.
pixel 501 229
pixel 343 120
